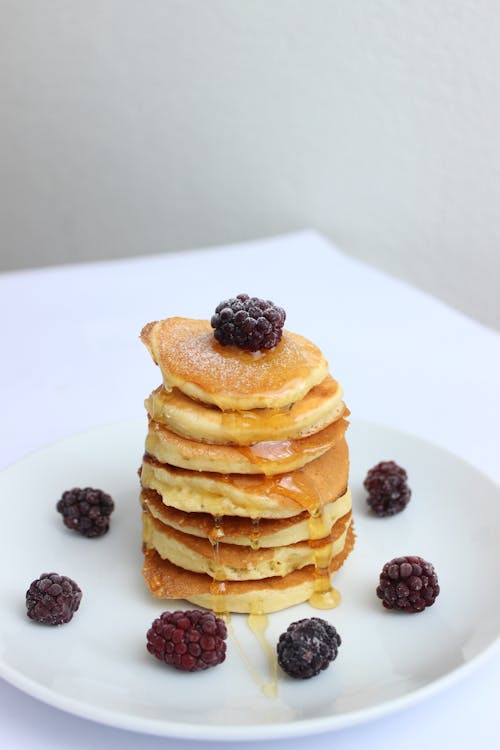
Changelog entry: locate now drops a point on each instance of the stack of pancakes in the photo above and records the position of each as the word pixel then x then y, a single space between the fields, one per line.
pixel 245 497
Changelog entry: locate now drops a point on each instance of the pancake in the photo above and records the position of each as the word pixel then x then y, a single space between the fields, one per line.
pixel 228 562
pixel 321 406
pixel 191 360
pixel 244 479
pixel 251 495
pixel 269 457
pixel 168 581
pixel 264 532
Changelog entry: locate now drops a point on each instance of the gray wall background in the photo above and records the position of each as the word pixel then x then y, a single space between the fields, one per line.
pixel 145 126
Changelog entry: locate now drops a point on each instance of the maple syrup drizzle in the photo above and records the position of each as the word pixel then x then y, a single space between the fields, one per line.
pixel 255 534
pixel 218 584
pixel 269 689
pixel 295 485
pixel 258 625
pixel 218 597
pixel 217 532
pixel 306 493
pixel 278 450
pixel 257 622
pixel 303 490
pixel 267 420
pixel 329 598
pixel 234 423
pixel 324 596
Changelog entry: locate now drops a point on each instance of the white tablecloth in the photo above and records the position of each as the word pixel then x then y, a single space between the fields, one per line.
pixel 72 359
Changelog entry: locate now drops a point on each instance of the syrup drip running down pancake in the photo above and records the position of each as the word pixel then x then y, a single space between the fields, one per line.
pixel 236 562
pixel 251 495
pixel 245 497
pixel 253 532
pixel 267 457
pixel 167 581
pixel 321 406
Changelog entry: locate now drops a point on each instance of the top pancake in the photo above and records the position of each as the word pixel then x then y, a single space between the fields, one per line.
pixel 191 360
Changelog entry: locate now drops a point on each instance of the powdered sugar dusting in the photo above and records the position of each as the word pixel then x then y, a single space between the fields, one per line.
pixel 189 355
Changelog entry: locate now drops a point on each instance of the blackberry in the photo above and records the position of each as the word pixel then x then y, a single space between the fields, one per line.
pixel 249 323
pixel 189 640
pixel 52 599
pixel 87 510
pixel 408 583
pixel 388 492
pixel 307 647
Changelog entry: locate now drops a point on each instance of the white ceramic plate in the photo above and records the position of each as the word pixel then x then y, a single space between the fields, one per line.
pixel 97 665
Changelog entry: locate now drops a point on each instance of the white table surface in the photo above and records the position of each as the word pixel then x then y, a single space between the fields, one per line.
pixel 404 358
